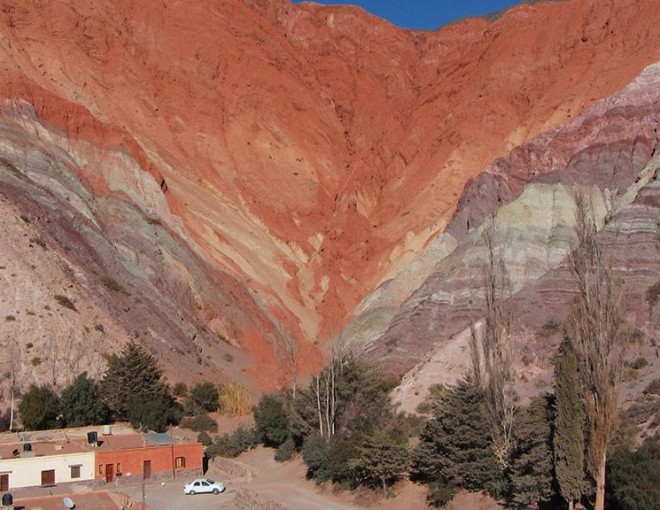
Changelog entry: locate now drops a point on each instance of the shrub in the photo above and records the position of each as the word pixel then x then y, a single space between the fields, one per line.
pixel 39 242
pixel 440 493
pixel 272 421
pixel 232 445
pixel 285 450
pixel 65 302
pixel 205 396
pixel 633 478
pixel 204 438
pixel 180 389
pixel 154 414
pixel 114 286
pixel 653 294
pixel 315 453
pixel 200 423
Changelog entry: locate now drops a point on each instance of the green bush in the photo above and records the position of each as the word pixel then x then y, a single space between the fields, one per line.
pixel 633 478
pixel 205 396
pixel 440 493
pixel 315 453
pixel 285 450
pixel 204 438
pixel 232 445
pixel 272 421
pixel 245 438
pixel 200 423
pixel 180 389
pixel 154 414
pixel 39 408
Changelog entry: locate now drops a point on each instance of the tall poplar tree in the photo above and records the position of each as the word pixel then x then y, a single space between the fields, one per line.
pixel 595 328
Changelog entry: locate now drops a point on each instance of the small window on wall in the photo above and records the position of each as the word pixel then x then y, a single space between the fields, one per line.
pixel 100 469
pixel 118 468
pixel 180 462
pixel 75 471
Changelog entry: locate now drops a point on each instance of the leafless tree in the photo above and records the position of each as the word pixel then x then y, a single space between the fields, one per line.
pixel 491 363
pixel 290 354
pixel 595 328
pixel 326 386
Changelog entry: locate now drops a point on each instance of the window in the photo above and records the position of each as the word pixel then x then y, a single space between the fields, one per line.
pixel 75 471
pixel 118 468
pixel 100 469
pixel 180 462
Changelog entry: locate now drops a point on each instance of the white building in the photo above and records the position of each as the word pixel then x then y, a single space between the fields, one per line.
pixel 30 464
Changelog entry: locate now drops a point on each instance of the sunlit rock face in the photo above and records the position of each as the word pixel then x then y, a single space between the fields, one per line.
pixel 248 172
pixel 611 153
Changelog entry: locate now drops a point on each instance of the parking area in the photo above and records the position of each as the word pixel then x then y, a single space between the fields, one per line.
pixel 169 496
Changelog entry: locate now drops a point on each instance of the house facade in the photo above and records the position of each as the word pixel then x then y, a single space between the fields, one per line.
pixel 44 465
pixel 149 462
pixel 118 459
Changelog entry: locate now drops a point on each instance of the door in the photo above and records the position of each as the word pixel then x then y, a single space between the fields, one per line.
pixel 109 472
pixel 48 477
pixel 4 483
pixel 146 469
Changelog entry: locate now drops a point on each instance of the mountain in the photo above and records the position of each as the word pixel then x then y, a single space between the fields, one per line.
pixel 219 179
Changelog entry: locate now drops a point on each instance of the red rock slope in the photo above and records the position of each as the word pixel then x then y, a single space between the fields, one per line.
pixel 309 151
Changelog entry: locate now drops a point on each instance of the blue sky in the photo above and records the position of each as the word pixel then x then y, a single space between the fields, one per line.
pixel 424 14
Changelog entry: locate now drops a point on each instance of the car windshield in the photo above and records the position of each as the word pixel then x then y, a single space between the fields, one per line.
pixel 210 481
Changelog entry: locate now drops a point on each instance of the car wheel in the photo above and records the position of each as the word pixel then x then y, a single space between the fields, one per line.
pixel 216 491
pixel 192 493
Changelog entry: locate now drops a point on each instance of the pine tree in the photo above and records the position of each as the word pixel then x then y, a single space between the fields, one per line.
pixel 381 460
pixel 81 403
pixel 532 468
pixel 456 443
pixel 133 389
pixel 569 422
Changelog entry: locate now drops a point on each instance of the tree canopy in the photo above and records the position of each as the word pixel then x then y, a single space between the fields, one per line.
pixel 81 403
pixel 133 388
pixel 39 408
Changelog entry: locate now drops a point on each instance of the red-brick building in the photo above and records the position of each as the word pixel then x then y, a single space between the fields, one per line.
pixel 150 456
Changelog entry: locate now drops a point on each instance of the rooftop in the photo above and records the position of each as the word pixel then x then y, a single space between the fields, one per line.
pixel 60 442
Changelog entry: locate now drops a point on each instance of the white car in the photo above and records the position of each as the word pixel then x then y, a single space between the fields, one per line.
pixel 202 485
